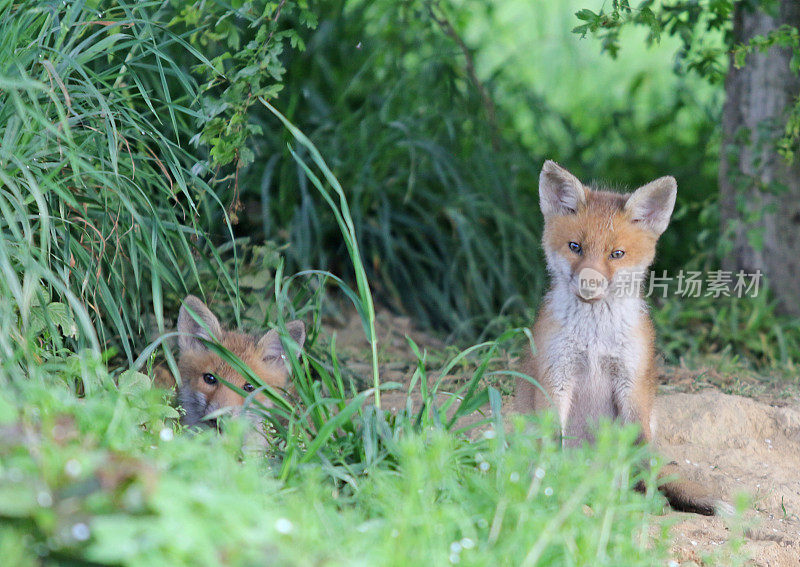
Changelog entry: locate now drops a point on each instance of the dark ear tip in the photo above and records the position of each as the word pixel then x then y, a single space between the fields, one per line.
pixel 193 303
pixel 192 300
pixel 550 166
pixel 297 329
pixel 669 182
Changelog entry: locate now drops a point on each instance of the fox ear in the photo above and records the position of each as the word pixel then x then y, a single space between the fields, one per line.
pixel 270 344
pixel 652 204
pixel 206 325
pixel 560 192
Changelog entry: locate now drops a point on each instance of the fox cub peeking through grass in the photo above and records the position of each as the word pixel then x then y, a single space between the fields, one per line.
pixel 595 354
pixel 201 391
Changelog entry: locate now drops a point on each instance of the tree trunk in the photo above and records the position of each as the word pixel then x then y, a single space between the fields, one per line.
pixel 759 190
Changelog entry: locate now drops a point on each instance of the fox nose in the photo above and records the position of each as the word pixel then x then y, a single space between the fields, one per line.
pixel 592 284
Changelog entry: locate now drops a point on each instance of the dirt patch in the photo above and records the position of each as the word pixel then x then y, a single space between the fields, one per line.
pixel 736 444
pixel 397 362
pixel 395 356
pixel 739 446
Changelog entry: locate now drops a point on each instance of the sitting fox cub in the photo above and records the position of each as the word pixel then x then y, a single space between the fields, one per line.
pixel 593 336
pixel 201 392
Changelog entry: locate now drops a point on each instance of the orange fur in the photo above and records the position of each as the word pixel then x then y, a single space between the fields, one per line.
pixel 202 390
pixel 602 226
pixel 193 365
pixel 595 353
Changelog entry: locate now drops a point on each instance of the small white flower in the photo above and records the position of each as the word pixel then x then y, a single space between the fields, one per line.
pixel 484 466
pixel 283 526
pixel 80 531
pixel 539 473
pixel 166 434
pixel 44 499
pixel 548 491
pixel 514 477
pixel 455 547
pixel 490 434
pixel 455 558
pixel 72 468
pixel 467 543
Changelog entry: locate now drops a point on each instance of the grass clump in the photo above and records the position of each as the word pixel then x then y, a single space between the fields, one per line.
pixel 96 177
pixel 110 480
pixel 748 328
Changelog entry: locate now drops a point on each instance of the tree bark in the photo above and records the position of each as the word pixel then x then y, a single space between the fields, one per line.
pixel 759 190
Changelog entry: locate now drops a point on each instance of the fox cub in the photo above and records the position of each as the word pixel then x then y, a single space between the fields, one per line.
pixel 201 392
pixel 594 339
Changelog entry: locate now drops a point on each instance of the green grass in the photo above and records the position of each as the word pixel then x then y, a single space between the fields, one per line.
pixel 109 480
pixel 96 178
pixel 110 214
pixel 446 224
pixel 749 327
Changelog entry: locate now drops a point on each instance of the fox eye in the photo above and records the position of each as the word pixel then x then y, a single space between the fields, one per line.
pixel 209 379
pixel 575 247
pixel 248 387
pixel 617 254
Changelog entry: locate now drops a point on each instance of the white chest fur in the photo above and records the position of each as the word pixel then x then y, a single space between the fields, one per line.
pixel 607 327
pixel 591 356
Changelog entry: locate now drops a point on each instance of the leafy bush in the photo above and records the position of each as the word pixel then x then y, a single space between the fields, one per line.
pixel 445 221
pixel 242 46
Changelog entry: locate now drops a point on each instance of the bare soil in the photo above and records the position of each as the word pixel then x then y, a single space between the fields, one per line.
pixel 747 446
pixel 740 446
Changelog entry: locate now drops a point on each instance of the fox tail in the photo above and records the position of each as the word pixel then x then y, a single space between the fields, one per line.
pixel 687 496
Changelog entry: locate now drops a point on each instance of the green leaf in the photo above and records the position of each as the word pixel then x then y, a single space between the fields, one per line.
pixel 132 382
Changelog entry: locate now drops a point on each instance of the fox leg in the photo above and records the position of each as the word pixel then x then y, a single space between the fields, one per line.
pixel 632 405
pixel 570 399
pixel 563 402
pixel 562 392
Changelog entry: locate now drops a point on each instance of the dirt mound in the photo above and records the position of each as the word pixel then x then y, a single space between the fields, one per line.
pixel 737 445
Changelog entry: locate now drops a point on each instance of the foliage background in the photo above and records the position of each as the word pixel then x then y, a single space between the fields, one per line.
pixel 139 163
